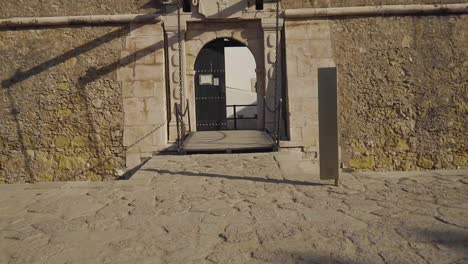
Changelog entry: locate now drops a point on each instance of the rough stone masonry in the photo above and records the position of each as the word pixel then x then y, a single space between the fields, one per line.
pixel 402 80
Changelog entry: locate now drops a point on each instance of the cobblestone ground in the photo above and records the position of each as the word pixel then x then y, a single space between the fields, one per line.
pixel 252 208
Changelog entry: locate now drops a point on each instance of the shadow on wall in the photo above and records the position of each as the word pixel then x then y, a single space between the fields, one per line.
pixel 153 4
pixel 92 74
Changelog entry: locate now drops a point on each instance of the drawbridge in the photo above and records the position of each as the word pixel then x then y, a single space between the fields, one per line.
pixel 227 141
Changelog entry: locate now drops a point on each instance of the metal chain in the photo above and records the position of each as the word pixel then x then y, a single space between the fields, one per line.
pixel 269 108
pixel 277 73
pixel 179 40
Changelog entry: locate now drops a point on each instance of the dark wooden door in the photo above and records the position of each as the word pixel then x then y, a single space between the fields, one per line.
pixel 210 87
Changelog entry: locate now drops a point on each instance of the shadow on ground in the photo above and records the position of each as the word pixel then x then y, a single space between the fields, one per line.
pixel 228 177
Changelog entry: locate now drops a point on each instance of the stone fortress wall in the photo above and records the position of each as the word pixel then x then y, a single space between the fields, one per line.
pixel 402 81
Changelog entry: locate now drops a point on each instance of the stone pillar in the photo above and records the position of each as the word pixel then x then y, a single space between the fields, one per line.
pixel 308 47
pixel 269 33
pixel 174 64
pixel 141 73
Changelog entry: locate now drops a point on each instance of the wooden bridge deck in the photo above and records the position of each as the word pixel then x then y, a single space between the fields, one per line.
pixel 220 141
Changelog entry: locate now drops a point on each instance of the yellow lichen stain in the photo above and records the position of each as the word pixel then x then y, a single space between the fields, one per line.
pixel 71 163
pixel 64 112
pixel 78 142
pixel 461 161
pixel 63 86
pixel 45 177
pixel 384 161
pixel 402 146
pixel 462 106
pixel 425 163
pixel 363 163
pixel 91 176
pixel 71 62
pixel 43 158
pixel 62 141
pixel 358 147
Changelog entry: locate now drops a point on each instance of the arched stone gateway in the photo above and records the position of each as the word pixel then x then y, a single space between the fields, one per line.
pixel 249 33
pixel 240 21
pixel 101 98
pixel 211 57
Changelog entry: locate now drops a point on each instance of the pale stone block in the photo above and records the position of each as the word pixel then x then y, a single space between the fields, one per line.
pixel 305 67
pixel 144 118
pixel 145 58
pixel 149 73
pixel 125 74
pixel 132 160
pixel 160 137
pixel 133 105
pixel 272 56
pixel 144 89
pixel 159 56
pixel 302 88
pixel 207 37
pixel 296 133
pixel 145 138
pixel 308 30
pixel 139 43
pixel 127 59
pixel 127 90
pixel 271 40
pixel 311 107
pixel 299 48
pixel 175 76
pixel 138 135
pixel 138 89
pixel 321 48
pixel 296 119
pixel 145 29
pixel 156 103
pixel 325 63
pixel 310 136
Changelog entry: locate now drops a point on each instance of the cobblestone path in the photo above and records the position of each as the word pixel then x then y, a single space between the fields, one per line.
pixel 250 208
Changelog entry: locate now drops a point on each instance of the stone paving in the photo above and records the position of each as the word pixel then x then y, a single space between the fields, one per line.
pixel 243 208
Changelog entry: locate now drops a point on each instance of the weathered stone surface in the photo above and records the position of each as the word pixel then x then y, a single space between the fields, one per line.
pixel 402 83
pixel 12 8
pixel 403 91
pixel 340 3
pixel 247 208
pixel 60 103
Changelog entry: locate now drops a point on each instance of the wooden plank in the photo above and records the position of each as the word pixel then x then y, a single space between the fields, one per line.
pixel 228 140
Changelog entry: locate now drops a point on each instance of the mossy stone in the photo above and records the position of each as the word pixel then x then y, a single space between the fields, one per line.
pixel 425 163
pixel 460 161
pixel 358 147
pixel 78 142
pixel 71 163
pixel 64 112
pixel 62 141
pixel 363 163
pixel 402 146
pixel 45 177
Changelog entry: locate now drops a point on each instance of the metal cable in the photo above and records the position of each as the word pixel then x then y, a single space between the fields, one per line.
pixel 179 40
pixel 277 84
pixel 269 108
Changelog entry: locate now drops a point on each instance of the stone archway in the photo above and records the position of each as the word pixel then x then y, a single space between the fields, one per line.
pixel 225 87
pixel 249 33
